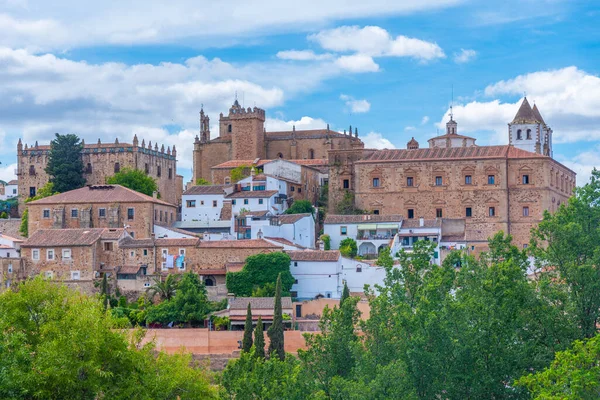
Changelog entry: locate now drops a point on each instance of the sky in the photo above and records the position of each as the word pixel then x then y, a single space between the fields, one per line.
pixel 112 69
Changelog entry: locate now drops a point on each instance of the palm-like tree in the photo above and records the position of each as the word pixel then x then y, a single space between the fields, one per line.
pixel 164 289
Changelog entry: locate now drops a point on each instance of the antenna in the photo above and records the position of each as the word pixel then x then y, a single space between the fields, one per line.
pixel 452 103
pixel 236 94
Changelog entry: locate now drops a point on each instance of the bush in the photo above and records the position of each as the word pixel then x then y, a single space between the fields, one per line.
pixel 348 248
pixel 259 275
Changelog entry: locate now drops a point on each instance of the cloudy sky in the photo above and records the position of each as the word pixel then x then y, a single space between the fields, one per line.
pixel 118 68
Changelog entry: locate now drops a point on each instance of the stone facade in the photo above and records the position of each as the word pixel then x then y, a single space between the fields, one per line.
pixel 492 187
pixel 242 136
pixel 102 160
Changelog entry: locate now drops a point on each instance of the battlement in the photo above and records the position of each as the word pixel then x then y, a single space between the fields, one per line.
pixel 237 112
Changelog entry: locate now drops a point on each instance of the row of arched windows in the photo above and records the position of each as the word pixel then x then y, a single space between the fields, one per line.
pixel 520 134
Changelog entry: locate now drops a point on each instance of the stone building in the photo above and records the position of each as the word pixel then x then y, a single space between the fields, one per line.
pixel 102 206
pixel 492 188
pixel 102 160
pixel 242 136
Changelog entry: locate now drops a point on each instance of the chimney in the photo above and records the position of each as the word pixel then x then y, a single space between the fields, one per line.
pixel 421 221
pixel 155 195
pixel 259 234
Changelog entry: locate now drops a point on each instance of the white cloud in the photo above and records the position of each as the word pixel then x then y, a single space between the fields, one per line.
pixel 355 106
pixel 409 128
pixel 357 63
pixel 62 24
pixel 424 120
pixel 376 42
pixel 304 123
pixel 302 55
pixel 583 163
pixel 464 56
pixel 374 140
pixel 7 172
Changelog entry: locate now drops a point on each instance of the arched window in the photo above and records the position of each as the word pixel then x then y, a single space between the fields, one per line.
pixel 31 170
pixel 519 135
pixel 311 154
pixel 209 281
pixel 117 168
pixel 227 180
pixel 528 134
pixel 229 128
pixel 280 155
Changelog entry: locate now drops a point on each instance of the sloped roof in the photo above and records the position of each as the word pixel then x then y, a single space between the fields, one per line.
pixel 206 189
pixel 250 163
pixel 525 115
pixel 427 223
pixel 100 194
pixel 252 194
pixel 13 182
pixel 166 242
pixel 64 237
pixel 130 243
pixel 536 113
pixel 256 303
pixel 10 227
pixel 112 233
pixel 129 269
pixel 291 218
pixel 359 219
pixel 314 255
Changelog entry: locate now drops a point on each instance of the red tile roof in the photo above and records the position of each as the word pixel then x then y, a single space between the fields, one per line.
pixel 100 194
pixel 314 255
pixel 252 194
pixel 166 242
pixel 112 233
pixel 11 228
pixel 13 182
pixel 416 223
pixel 64 237
pixel 205 189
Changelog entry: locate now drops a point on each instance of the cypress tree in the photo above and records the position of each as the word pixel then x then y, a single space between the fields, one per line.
pixel 259 339
pixel 275 331
pixel 104 290
pixel 345 294
pixel 65 166
pixel 247 341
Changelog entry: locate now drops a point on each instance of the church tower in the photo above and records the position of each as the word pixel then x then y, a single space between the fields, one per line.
pixel 246 130
pixel 528 130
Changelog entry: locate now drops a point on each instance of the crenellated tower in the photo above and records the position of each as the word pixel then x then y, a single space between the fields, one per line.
pixel 246 129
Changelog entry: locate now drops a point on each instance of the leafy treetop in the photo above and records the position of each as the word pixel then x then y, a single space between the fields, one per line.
pixel 134 179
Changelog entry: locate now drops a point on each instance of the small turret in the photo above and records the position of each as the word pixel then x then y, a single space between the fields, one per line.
pixel 117 141
pixel 156 147
pixel 162 148
pixel 82 142
pixel 355 132
pixel 36 144
pixel 135 141
pixel 174 152
pixel 150 145
pixel 99 142
pixel 19 145
pixel 144 143
pixel 25 146
pixel 412 144
pixel 169 150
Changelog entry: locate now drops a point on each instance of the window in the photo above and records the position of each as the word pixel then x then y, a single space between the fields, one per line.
pixel 229 128
pixel 146 284
pixel 75 275
pixel 108 246
pixel 525 180
pixel 525 245
pixel 50 254
pixel 311 154
pixel 375 182
pixel 260 201
pixel 232 202
pixel 117 168
pixel 202 202
pixel 438 181
pixel 156 215
pixel 438 212
pixel 292 188
pixel 359 268
pixel 130 213
pixel 170 173
pixel 132 234
pixel 102 213
pixel 46 213
pixel 376 212
pixel 49 274
pixel 158 170
pixel 88 168
pixel 491 179
pixel 299 190
pixel 346 183
pixel 214 203
pixel 31 170
pixel 146 168
pixel 519 135
pixel 343 230
pixel 295 281
pixel 526 211
pixel 468 180
pixel 131 254
pixel 66 254
pixel 209 281
pixel 492 211
pixel 298 310
pixel 10 270
pixel 161 215
pixel 411 213
pixel 245 201
pixel 74 213
pixel 410 181
pixel 295 263
pixel 145 252
pixel 190 203
pixel 31 191
pixel 528 134
pixel 468 212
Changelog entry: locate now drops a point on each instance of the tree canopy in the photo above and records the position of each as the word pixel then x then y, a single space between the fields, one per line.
pixel 65 166
pixel 134 179
pixel 349 248
pixel 259 275
pixel 300 207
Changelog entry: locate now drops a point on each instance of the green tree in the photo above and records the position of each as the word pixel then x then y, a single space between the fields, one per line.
pixel 46 191
pixel 65 166
pixel 346 205
pixel 260 272
pixel 105 291
pixel 3 215
pixel 164 289
pixel 134 179
pixel 348 248
pixel 202 182
pixel 247 341
pixel 56 343
pixel 239 173
pixel 259 339
pixel 385 258
pixel 323 196
pixel 275 332
pixel 345 294
pixel 300 207
pixel 326 242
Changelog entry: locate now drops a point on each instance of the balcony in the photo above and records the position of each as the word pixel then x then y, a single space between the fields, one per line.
pixel 375 235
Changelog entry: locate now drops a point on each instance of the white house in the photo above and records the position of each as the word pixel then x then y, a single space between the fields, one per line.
pixel 204 203
pixel 298 229
pixel 9 190
pixel 10 247
pixel 371 232
pixel 413 230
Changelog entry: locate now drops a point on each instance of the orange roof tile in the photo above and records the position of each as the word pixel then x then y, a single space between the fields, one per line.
pixel 100 194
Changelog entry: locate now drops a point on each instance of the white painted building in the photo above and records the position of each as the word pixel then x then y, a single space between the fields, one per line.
pixel 10 247
pixel 161 232
pixel 298 229
pixel 204 203
pixel 9 190
pixel 413 230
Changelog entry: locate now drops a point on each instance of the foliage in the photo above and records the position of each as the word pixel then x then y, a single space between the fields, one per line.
pixel 65 166
pixel 3 215
pixel 202 182
pixel 134 179
pixel 300 207
pixel 247 341
pixel 259 339
pixel 385 258
pixel 323 196
pixel 239 173
pixel 346 205
pixel 46 191
pixel 56 343
pixel 165 289
pixel 105 291
pixel 220 323
pixel 275 331
pixel 348 248
pixel 574 374
pixel 260 271
pixel 345 294
pixel 326 241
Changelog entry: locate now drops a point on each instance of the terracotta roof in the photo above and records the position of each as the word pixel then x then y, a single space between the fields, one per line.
pixel 261 213
pixel 256 303
pixel 291 218
pixel 515 152
pixel 166 242
pixel 314 255
pixel 13 182
pixel 283 241
pixel 525 115
pixel 112 233
pixel 361 219
pixel 129 269
pixel 450 135
pixel 259 177
pixel 250 194
pixel 205 189
pixel 64 237
pixel 312 161
pixel 100 194
pixel 11 227
pixel 130 243
pixel 427 223
pixel 453 238
pixel 178 230
pixel 238 244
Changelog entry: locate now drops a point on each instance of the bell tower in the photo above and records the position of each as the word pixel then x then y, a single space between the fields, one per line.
pixel 246 129
pixel 204 127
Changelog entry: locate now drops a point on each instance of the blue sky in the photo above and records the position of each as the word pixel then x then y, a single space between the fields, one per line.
pixel 111 69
